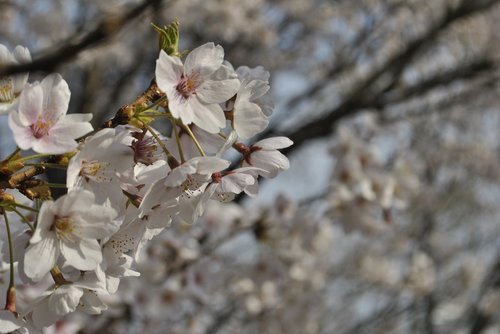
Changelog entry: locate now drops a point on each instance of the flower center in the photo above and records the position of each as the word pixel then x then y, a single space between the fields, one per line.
pixel 188 84
pixel 6 90
pixel 95 170
pixel 40 128
pixel 90 168
pixel 145 150
pixel 64 227
pixel 192 187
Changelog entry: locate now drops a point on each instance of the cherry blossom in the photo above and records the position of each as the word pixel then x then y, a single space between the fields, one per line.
pixel 195 89
pixel 69 226
pixel 180 191
pixel 127 183
pixel 225 186
pixel 264 154
pixel 58 301
pixel 11 86
pixel 98 163
pixel 253 103
pixel 41 122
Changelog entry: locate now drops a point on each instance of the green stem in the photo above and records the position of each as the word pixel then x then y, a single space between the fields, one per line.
pixel 24 219
pixel 11 250
pixel 154 104
pixel 178 140
pixel 160 142
pixel 191 134
pixel 35 156
pixel 25 207
pixel 155 115
pixel 38 205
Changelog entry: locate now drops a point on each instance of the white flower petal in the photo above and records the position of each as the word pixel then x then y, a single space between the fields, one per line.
pixel 69 128
pixel 6 57
pixel 42 315
pixel 183 109
pixel 210 165
pixel 212 91
pixel 256 73
pixel 252 190
pixel 6 108
pixel 76 200
pixel 236 182
pixel 248 119
pixel 54 144
pixel 209 117
pixel 203 201
pixel 40 258
pixel 90 303
pixel 157 195
pixel 274 143
pixel 257 89
pixel 22 134
pixel 83 254
pixel 168 71
pixel 9 322
pixel 206 59
pixel 22 54
pixel 30 104
pixel 179 174
pixel 56 96
pixel 65 299
pixel 270 161
pixel 97 222
pixel 45 221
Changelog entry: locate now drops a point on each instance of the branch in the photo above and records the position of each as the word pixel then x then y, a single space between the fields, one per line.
pixel 477 320
pixel 357 99
pixel 104 30
pixel 461 73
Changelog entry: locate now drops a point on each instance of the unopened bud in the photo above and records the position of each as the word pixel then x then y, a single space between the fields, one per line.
pixel 10 304
pixel 6 198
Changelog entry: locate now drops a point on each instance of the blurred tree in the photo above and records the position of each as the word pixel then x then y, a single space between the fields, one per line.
pixel 404 238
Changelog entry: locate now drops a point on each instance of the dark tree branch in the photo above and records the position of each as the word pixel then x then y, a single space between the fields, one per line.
pixel 479 85
pixel 460 73
pixel 347 58
pixel 76 44
pixel 221 319
pixel 358 99
pixel 477 320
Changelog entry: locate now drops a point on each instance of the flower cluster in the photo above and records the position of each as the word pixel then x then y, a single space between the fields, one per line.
pixel 367 188
pixel 127 181
pixel 237 262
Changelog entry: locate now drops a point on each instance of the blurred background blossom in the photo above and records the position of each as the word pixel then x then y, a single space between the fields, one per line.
pixel 388 219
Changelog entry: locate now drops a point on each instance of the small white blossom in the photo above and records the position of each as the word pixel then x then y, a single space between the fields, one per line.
pixel 225 186
pixel 41 122
pixel 253 103
pixel 52 305
pixel 179 193
pixel 264 154
pixel 96 166
pixel 196 89
pixel 69 226
pixel 11 86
